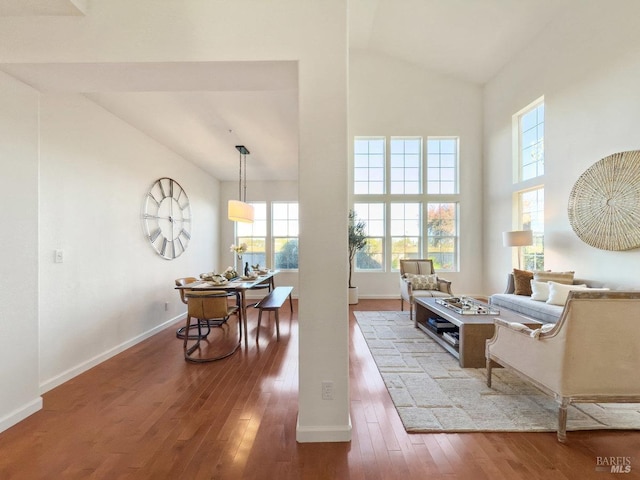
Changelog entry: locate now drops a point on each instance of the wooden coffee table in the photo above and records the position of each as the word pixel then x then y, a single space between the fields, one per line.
pixel 474 330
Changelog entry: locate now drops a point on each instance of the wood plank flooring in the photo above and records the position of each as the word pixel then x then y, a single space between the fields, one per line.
pixel 147 414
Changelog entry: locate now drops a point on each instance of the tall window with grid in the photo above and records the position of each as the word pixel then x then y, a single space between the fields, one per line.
pixel 255 236
pixel 442 235
pixel 528 125
pixel 531 214
pixel 531 141
pixel 285 235
pixel 405 231
pixel 372 257
pixel 406 165
pixel 442 165
pixel 369 166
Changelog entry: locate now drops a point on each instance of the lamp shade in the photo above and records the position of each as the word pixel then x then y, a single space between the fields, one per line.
pixel 240 211
pixel 517 238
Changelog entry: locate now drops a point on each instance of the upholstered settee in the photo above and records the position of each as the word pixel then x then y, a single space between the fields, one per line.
pixel 590 355
pixel 535 307
pixel 418 279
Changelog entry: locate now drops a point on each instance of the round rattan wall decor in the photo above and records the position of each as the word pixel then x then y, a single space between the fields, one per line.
pixel 604 205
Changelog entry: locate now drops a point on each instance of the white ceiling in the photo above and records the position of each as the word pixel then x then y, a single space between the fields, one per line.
pixel 202 110
pixel 467 39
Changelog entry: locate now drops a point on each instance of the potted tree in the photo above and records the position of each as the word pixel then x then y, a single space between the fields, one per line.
pixel 357 241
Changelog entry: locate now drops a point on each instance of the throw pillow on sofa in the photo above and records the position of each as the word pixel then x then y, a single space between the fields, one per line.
pixel 558 277
pixel 522 282
pixel 539 291
pixel 558 292
pixel 423 282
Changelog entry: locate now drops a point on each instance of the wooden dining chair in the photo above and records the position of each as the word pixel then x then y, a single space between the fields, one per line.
pixel 210 309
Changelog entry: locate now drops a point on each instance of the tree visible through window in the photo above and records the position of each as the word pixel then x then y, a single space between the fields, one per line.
pixel 532 218
pixel 372 256
pixel 404 219
pixel 405 232
pixel 442 235
pixel 285 235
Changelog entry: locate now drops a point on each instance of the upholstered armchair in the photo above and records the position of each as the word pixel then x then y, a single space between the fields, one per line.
pixel 414 284
pixel 591 355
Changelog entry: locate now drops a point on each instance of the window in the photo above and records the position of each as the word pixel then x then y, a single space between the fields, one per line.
pixel 403 218
pixel 406 160
pixel 531 215
pixel 405 232
pixel 285 235
pixel 372 257
pixel 531 141
pixel 528 128
pixel 255 236
pixel 369 166
pixel 442 235
pixel 442 165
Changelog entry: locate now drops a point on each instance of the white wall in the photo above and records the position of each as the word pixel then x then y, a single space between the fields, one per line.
pixel 111 289
pixel 586 66
pixel 312 33
pixel 18 252
pixel 390 97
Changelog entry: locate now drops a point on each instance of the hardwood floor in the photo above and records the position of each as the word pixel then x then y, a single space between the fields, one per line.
pixel 147 414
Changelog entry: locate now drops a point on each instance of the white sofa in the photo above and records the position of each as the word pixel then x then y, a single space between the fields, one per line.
pixel 524 305
pixel 590 355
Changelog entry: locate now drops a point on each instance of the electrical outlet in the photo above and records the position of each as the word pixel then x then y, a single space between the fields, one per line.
pixel 327 390
pixel 166 306
pixel 58 256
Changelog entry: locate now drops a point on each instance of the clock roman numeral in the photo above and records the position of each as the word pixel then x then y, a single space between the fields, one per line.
pixel 164 194
pixel 185 233
pixel 163 248
pixel 154 235
pixel 150 195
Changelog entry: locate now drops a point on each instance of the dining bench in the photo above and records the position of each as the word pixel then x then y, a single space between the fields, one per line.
pixel 272 303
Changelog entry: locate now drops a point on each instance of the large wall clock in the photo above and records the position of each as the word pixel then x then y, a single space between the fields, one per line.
pixel 167 218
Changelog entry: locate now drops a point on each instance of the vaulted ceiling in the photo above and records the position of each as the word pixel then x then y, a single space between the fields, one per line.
pixel 202 110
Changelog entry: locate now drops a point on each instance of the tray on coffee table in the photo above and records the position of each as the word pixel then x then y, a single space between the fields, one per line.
pixel 467 306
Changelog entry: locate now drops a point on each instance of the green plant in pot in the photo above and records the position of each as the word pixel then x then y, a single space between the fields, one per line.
pixel 357 241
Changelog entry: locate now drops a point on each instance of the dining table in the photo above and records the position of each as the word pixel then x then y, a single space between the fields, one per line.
pixel 238 285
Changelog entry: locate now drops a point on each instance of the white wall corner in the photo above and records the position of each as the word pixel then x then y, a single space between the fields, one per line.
pixel 80 5
pixel 20 414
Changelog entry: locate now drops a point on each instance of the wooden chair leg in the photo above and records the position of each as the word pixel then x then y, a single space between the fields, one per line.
pixel 562 420
pixel 489 372
pixel 277 326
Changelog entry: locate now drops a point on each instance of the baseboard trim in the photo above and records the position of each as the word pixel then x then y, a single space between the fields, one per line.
pixel 20 414
pixel 92 362
pixel 329 433
pixel 379 297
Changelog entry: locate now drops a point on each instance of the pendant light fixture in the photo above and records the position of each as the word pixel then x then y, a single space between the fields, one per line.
pixel 239 210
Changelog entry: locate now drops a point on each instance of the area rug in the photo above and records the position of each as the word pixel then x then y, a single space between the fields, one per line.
pixel 432 393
